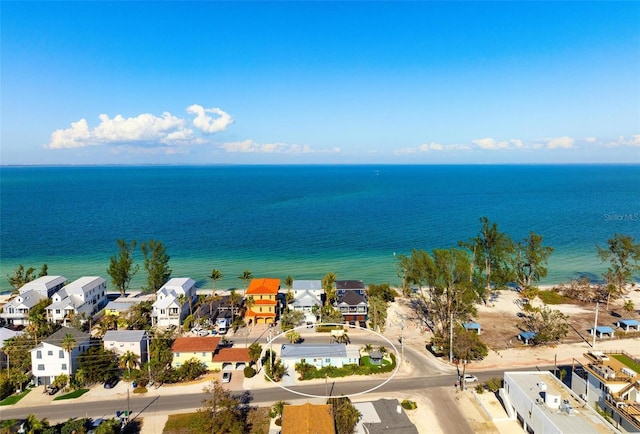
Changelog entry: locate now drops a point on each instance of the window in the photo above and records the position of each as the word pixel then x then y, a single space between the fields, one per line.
pixel 39 355
pixel 177 354
pixel 40 367
pixel 64 366
pixel 57 311
pixel 204 354
pixel 50 353
pixel 61 354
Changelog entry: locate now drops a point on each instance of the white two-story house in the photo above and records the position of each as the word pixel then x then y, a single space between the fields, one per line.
pixel 86 295
pixel 121 341
pixel 16 311
pixel 49 358
pixel 170 308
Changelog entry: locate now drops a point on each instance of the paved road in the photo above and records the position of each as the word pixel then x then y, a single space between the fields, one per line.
pixel 139 405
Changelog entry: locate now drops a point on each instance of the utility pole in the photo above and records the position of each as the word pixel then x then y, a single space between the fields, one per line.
pixel 148 356
pixel 595 326
pixel 451 338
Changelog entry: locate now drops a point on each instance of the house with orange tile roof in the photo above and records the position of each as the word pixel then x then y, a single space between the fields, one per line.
pixel 264 309
pixel 200 348
pixel 307 419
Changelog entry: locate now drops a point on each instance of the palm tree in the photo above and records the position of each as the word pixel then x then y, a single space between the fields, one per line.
pixel 215 276
pixel 129 360
pixel 182 299
pixel 68 342
pixel 101 327
pixel 246 275
pixel 249 302
pixel 628 306
pixel 278 408
pixel 288 282
pixel 34 425
pixel 293 336
pixel 367 348
pixel 342 339
pixel 234 300
pixel 328 284
pixel 212 298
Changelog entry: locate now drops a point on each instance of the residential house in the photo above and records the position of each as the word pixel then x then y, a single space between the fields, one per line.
pixel 353 306
pixel 308 303
pixel 121 341
pixel 49 359
pixel 264 292
pixel 541 403
pixel 225 309
pixel 344 286
pixel 16 311
pixel 173 301
pixel 226 359
pixel 384 416
pixel 120 306
pixel 307 419
pixel 87 296
pixel 200 348
pixel 6 334
pixel 320 355
pixel 45 285
pixel 302 287
pixel 611 380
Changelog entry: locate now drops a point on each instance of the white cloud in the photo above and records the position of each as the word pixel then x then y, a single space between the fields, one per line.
pixel 633 141
pixel 560 143
pixel 491 144
pixel 249 146
pixel 206 123
pixel 590 139
pixel 143 131
pixel 436 147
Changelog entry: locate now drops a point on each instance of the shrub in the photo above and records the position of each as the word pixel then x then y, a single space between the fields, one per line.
pixel 249 372
pixel 551 297
pixel 494 384
pixel 408 405
pixel 480 389
pixel 140 389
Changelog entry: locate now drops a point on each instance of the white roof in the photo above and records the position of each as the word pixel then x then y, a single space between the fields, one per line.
pixel 27 299
pixel 43 283
pixel 179 283
pixel 306 299
pixel 309 285
pixel 83 284
pixel 165 302
pixel 124 335
pixel 309 351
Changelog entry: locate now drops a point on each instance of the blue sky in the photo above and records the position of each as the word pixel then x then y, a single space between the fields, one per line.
pixel 320 82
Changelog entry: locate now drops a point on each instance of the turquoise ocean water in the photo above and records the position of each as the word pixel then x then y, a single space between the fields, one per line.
pixel 305 221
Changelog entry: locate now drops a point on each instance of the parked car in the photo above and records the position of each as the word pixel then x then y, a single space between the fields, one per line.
pixel 203 333
pixel 51 390
pixel 111 382
pixel 468 378
pixel 226 376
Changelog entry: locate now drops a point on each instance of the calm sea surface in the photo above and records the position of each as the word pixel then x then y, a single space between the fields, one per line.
pixel 305 221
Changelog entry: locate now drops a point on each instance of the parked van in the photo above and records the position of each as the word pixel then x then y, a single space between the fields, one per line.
pixel 223 325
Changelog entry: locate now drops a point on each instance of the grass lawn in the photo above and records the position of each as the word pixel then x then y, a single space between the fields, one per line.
pixel 73 395
pixel 10 400
pixel 628 361
pixel 366 361
pixel 192 423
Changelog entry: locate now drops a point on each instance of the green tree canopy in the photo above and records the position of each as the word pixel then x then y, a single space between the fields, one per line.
pixel 156 262
pixel 121 267
pixel 623 255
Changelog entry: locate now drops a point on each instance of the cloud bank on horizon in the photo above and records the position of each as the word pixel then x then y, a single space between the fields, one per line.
pixel 169 134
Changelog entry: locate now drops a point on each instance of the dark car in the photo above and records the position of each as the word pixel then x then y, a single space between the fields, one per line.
pixel 111 382
pixel 51 390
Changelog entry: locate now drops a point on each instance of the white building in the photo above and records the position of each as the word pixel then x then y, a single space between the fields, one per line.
pixel 16 311
pixel 306 302
pixel 49 359
pixel 301 287
pixel 543 404
pixel 5 335
pixel 168 309
pixel 86 295
pixel 320 355
pixel 121 341
pixel 45 285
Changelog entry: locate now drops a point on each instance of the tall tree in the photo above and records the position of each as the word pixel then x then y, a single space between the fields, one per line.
pixel 68 342
pixel 21 277
pixel 156 262
pixel 234 300
pixel 491 250
pixel 33 425
pixel 121 267
pixel 221 411
pixel 623 255
pixel 245 276
pixel 215 276
pixel 329 286
pixel 345 415
pixel 529 260
pixel 44 271
pixel 129 360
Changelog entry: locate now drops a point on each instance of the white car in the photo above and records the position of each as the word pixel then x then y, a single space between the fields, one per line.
pixel 468 378
pixel 226 377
